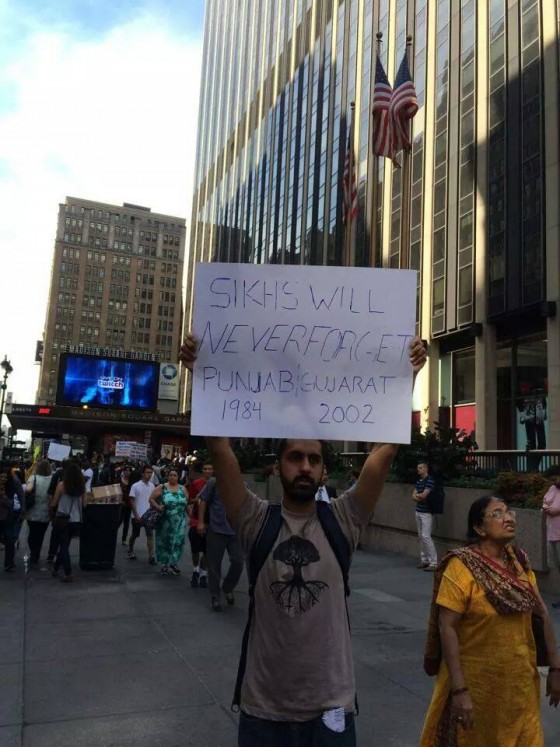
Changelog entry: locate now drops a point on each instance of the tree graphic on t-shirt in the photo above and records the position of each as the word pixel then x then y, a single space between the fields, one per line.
pixel 297 595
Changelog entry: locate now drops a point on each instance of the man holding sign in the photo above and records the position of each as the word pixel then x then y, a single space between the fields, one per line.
pixel 296 680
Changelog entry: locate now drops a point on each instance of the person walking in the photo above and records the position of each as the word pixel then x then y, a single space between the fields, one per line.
pixel 171 500
pixel 425 486
pixel 551 510
pixel 481 643
pixel 197 540
pixel 39 514
pixel 295 686
pixel 139 499
pixel 68 504
pixel 87 473
pixel 10 512
pixel 219 538
pixel 53 541
pixel 126 509
pixel 18 479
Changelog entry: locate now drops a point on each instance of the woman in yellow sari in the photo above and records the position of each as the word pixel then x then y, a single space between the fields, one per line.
pixel 481 643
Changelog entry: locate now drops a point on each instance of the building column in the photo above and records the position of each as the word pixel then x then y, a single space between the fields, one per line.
pixel 552 211
pixel 433 383
pixel 485 388
pixel 485 345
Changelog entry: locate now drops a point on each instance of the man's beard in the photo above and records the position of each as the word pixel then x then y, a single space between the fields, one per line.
pixel 301 489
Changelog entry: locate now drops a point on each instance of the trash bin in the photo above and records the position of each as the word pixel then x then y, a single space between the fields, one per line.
pixel 98 536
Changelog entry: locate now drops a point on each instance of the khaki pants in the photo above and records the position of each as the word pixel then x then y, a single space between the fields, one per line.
pixel 428 553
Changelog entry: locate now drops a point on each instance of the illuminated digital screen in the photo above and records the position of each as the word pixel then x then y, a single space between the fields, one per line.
pixel 107 382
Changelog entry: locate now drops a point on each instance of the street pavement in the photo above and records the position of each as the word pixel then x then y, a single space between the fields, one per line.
pixel 125 657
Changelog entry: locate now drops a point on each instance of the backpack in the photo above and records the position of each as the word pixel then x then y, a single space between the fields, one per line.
pixel 261 549
pixel 436 499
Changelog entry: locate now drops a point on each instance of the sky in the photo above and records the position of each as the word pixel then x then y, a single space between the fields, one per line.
pixel 98 99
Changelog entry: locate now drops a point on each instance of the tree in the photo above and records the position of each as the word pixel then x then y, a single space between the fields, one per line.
pixel 297 595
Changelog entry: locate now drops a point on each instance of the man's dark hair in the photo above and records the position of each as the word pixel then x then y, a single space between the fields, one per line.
pixel 147 466
pixel 283 443
pixel 553 471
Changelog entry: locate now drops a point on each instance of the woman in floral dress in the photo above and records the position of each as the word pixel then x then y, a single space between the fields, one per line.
pixel 171 500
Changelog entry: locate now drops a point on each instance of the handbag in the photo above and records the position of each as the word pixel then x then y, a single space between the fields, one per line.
pixel 537 624
pixel 62 520
pixel 31 495
pixel 151 518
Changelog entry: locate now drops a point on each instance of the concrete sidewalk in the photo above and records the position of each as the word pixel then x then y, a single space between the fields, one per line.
pixel 127 658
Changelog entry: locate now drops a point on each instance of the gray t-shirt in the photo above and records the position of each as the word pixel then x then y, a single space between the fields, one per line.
pixel 299 661
pixel 215 512
pixel 71 505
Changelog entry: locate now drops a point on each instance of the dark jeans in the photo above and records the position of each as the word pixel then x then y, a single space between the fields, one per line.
pixel 126 512
pixel 9 532
pixel 216 546
pixel 256 732
pixel 53 544
pixel 64 538
pixel 37 530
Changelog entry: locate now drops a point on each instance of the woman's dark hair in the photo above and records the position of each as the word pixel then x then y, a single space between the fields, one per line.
pixel 476 515
pixel 73 480
pixel 10 485
pixel 172 469
pixel 283 443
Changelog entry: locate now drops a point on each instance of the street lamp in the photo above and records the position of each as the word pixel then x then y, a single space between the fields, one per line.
pixel 7 368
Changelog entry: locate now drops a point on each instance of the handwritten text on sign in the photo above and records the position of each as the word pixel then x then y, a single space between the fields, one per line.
pixel 303 352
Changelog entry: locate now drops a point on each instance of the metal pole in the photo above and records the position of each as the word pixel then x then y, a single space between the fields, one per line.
pixel 4 387
pixel 404 256
pixel 375 181
pixel 350 224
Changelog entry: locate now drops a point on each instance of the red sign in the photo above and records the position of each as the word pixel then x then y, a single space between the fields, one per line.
pixel 44 411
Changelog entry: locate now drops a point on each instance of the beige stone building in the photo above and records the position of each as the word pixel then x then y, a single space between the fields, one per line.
pixel 116 285
pixel 483 198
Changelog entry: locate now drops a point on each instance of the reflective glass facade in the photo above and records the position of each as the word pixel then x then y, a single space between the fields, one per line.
pixel 278 79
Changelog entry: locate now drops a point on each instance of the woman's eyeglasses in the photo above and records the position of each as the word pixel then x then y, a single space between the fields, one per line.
pixel 500 514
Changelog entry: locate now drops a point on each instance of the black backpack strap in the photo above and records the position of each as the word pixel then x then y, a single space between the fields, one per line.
pixel 341 548
pixel 260 550
pixel 337 540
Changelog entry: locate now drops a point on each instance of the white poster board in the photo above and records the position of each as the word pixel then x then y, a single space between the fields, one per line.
pixel 131 450
pixel 303 352
pixel 122 449
pixel 138 451
pixel 58 452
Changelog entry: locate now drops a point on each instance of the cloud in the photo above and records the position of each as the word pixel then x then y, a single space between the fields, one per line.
pixel 110 118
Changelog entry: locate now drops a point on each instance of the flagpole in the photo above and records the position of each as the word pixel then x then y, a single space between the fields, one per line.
pixel 350 224
pixel 404 255
pixel 375 184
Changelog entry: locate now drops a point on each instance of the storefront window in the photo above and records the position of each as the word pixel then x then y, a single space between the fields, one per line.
pixel 464 378
pixel 522 395
pixel 532 391
pixel 464 407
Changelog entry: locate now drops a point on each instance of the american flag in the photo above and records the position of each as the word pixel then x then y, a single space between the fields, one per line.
pixel 349 181
pixel 382 126
pixel 404 106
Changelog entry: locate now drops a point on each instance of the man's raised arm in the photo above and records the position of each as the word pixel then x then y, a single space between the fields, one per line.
pixel 376 468
pixel 226 467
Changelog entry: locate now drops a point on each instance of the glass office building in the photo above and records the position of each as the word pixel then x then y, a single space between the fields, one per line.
pixel 483 199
